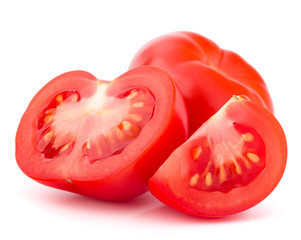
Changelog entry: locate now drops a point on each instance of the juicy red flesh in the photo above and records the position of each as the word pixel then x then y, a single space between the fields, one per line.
pixel 101 145
pixel 213 172
pixel 45 137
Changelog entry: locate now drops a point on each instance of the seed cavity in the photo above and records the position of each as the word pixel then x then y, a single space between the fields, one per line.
pixel 226 161
pixel 97 126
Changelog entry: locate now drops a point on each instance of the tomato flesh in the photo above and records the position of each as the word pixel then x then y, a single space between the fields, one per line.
pixel 71 124
pixel 231 163
pixel 221 163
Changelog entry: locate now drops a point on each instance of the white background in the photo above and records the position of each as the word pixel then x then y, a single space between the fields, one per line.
pixel 42 39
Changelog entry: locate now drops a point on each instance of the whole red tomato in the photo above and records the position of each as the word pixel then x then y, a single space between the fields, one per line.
pixel 206 75
pixel 101 139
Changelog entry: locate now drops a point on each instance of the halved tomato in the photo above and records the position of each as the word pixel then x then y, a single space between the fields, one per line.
pixel 206 74
pixel 98 138
pixel 228 165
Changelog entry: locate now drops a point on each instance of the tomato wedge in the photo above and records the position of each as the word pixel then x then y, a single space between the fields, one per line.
pixel 228 165
pixel 98 138
pixel 206 74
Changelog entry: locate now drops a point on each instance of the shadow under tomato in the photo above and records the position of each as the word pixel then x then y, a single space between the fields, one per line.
pixel 163 214
pixel 58 200
pixel 143 209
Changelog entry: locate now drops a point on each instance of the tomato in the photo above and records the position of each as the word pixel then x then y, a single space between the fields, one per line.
pixel 228 165
pixel 206 75
pixel 101 139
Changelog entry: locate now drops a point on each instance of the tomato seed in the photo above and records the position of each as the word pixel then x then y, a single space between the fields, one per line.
pixel 48 118
pixel 138 104
pixel 65 147
pixel 248 137
pixel 126 125
pixel 246 162
pixel 253 157
pixel 119 134
pixel 59 99
pixel 194 179
pixel 136 117
pixel 48 136
pixel 208 179
pixel 88 144
pixel 133 94
pixel 196 153
pixel 222 173
pixel 74 98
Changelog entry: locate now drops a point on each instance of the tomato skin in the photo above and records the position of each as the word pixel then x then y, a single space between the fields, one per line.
pixel 168 185
pixel 130 169
pixel 206 75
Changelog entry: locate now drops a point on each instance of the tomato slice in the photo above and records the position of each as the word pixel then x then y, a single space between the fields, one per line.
pixel 101 139
pixel 206 74
pixel 230 164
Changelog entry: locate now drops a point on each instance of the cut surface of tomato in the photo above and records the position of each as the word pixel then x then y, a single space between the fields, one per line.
pixel 206 74
pixel 225 162
pixel 97 127
pixel 101 139
pixel 232 162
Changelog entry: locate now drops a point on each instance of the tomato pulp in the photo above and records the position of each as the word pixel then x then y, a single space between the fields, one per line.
pixel 206 74
pixel 228 165
pixel 98 138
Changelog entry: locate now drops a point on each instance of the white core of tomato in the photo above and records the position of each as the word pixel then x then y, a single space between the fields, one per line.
pixel 228 144
pixel 89 117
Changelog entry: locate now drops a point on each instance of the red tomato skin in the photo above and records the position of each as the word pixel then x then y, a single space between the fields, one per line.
pixel 131 180
pixel 168 186
pixel 206 75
